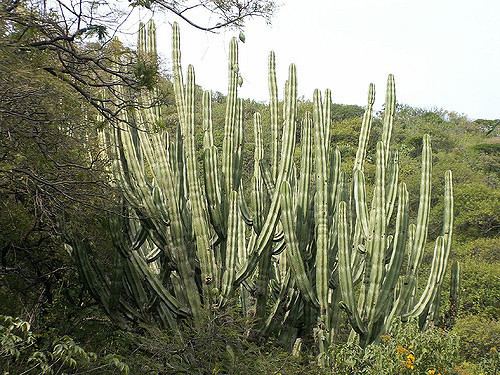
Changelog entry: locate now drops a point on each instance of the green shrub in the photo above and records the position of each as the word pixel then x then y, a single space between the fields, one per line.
pixel 405 351
pixel 479 337
pixel 480 288
pixel 491 362
pixel 468 368
pixel 22 353
pixel 483 249
pixel 477 209
pixel 219 345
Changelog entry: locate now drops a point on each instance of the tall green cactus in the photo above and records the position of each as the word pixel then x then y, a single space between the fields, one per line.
pixel 454 294
pixel 372 314
pixel 307 243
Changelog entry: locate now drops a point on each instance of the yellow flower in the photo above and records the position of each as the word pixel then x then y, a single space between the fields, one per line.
pixel 410 365
pixel 410 361
pixel 431 371
pixel 401 350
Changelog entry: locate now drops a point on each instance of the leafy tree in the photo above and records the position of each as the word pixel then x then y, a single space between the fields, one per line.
pixel 488 126
pixel 79 35
pixel 213 15
pixel 52 179
pixel 22 353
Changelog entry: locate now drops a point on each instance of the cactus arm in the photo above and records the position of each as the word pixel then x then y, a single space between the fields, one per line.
pixel 377 240
pixel 448 213
pixel 327 118
pixel 345 273
pixel 295 257
pixel 334 179
pixel 267 178
pixel 238 147
pixel 455 282
pixel 264 270
pixel 208 136
pixel 320 111
pixel 141 39
pixel 397 256
pixel 228 148
pixel 454 293
pixel 176 230
pixel 131 172
pixel 244 210
pixel 437 268
pixel 320 206
pixel 199 210
pixel 288 147
pixel 333 187
pixel 304 182
pixel 261 209
pixel 441 253
pixel 259 193
pixel 136 287
pixel 177 70
pixel 392 185
pixel 155 284
pixel 407 284
pixel 212 190
pixel 260 197
pixel 360 201
pixel 151 38
pixel 242 254
pixel 365 130
pixel 389 112
pixel 231 248
pixel 423 206
pixel 273 106
pixel 211 171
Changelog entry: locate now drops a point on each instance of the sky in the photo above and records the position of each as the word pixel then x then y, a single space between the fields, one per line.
pixel 443 53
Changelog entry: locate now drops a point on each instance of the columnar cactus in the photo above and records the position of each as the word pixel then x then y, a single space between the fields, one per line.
pixel 454 294
pixel 302 244
pixel 383 252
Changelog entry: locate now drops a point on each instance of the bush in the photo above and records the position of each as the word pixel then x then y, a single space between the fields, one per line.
pixel 480 288
pixel 406 350
pixel 479 337
pixel 477 208
pixel 219 345
pixel 483 249
pixel 468 368
pixel 21 352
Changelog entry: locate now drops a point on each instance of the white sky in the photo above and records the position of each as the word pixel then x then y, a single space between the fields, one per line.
pixel 443 53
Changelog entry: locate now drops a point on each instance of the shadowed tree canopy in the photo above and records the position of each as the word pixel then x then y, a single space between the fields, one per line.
pixel 79 38
pixel 211 15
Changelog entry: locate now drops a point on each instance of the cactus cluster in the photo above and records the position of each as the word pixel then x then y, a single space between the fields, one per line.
pixel 307 244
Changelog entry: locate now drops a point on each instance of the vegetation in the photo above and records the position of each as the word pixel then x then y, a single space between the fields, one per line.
pixel 135 292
